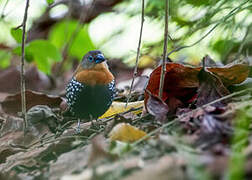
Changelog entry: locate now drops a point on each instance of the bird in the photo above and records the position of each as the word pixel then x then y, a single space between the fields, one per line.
pixel 91 90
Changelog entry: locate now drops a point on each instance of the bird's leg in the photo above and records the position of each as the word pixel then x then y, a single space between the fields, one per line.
pixel 78 127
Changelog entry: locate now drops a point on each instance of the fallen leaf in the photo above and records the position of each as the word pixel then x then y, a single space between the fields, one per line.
pixel 12 103
pixel 119 107
pixel 210 88
pixel 181 82
pixel 231 74
pixel 35 80
pixel 212 131
pixel 41 114
pixel 126 133
pixel 3 96
pixel 157 107
pixel 139 85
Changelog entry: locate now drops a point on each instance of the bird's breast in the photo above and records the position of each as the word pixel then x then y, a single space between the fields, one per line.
pixel 99 75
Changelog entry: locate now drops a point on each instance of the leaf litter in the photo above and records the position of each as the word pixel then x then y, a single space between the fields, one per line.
pixel 189 130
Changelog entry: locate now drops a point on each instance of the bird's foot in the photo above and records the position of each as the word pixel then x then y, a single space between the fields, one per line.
pixel 77 129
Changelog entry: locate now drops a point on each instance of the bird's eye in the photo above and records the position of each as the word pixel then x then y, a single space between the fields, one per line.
pixel 90 58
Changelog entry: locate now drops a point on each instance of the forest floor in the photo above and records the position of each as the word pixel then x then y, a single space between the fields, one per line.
pixel 200 131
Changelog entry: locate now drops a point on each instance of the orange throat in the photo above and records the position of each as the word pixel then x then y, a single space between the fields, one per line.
pixel 98 75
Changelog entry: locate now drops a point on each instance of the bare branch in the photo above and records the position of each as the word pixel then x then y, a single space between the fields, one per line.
pixel 23 99
pixel 161 84
pixel 138 54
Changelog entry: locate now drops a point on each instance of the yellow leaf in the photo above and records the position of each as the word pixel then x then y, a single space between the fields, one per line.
pixel 119 107
pixel 126 133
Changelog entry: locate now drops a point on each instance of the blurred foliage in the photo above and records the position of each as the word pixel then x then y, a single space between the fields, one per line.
pixel 49 1
pixel 42 52
pixel 240 141
pixel 46 52
pixel 224 46
pixel 4 59
pixel 197 17
pixel 62 32
pixel 189 20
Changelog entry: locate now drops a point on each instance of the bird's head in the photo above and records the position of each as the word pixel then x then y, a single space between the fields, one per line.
pixel 91 59
pixel 93 69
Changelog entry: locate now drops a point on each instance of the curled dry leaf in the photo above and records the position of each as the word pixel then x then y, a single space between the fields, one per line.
pixel 181 82
pixel 210 88
pixel 12 103
pixel 40 115
pixel 157 107
pixel 126 133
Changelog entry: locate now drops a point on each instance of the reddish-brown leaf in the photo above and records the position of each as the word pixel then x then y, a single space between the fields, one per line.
pixel 12 103
pixel 181 82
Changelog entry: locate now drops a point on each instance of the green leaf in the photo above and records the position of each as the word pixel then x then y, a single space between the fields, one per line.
pixel 223 47
pixel 17 50
pixel 61 33
pixel 49 1
pixel 43 53
pixel 17 34
pixel 4 59
pixel 200 2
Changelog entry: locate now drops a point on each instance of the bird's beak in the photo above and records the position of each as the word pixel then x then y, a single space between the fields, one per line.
pixel 99 58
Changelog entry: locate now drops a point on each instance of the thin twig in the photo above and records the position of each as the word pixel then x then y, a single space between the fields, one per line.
pixel 138 55
pixel 231 13
pixel 23 99
pixel 19 26
pixel 58 139
pixel 161 83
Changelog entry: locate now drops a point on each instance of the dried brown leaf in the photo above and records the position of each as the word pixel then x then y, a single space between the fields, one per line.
pixel 12 103
pixel 157 107
pixel 210 88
